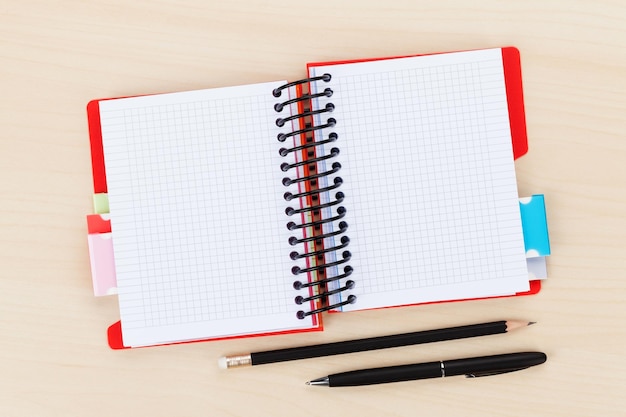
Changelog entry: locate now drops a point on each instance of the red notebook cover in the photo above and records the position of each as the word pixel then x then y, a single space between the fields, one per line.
pixel 97 225
pixel 517 119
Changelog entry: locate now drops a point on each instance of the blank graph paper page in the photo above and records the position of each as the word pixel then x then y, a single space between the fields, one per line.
pixel 200 243
pixel 428 177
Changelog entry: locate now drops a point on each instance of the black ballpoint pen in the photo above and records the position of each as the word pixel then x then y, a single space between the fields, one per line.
pixel 470 367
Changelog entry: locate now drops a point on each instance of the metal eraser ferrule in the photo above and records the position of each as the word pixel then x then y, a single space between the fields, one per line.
pixel 238 361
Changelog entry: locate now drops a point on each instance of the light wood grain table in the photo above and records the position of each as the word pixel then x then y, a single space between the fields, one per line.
pixel 57 55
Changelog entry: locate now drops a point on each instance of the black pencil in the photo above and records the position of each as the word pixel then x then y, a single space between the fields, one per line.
pixel 380 342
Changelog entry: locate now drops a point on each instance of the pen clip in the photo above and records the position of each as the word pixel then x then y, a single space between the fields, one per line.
pixel 498 372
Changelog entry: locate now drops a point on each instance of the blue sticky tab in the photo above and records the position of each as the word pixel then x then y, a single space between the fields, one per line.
pixel 535 226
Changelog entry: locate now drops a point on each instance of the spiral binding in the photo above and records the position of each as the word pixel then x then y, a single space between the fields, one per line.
pixel 312 147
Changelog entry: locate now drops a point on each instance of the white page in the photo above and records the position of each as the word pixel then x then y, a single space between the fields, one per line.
pixel 429 178
pixel 198 219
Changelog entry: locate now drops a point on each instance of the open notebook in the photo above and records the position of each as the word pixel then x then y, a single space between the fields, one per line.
pixel 251 209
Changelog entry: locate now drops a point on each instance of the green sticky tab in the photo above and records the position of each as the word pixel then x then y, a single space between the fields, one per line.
pixel 101 203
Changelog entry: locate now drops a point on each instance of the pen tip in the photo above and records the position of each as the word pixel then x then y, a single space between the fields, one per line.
pixel 308 383
pixel 530 323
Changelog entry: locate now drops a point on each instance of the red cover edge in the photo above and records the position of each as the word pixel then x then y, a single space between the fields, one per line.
pixel 515 99
pixel 97 152
pixel 115 340
pixel 114 332
pixel 535 286
pixel 512 65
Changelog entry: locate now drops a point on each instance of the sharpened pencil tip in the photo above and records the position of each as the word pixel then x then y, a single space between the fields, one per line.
pixel 517 324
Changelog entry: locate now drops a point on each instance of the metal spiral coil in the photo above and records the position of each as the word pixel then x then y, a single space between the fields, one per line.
pixel 313 192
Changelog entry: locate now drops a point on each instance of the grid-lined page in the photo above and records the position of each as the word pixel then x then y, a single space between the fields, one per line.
pixel 200 242
pixel 428 177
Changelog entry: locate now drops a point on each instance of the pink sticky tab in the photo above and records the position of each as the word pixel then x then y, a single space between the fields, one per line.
pixel 102 264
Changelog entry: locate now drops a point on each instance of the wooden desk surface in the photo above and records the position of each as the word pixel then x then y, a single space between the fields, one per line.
pixel 57 55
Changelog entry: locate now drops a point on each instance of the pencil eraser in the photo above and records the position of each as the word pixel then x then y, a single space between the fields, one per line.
pixel 221 362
